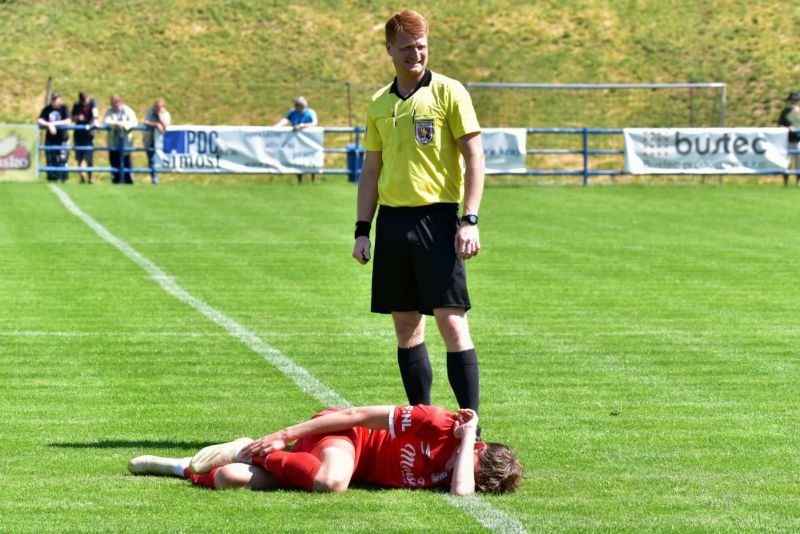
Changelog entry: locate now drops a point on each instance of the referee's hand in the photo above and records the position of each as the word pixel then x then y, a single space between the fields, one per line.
pixel 361 250
pixel 468 242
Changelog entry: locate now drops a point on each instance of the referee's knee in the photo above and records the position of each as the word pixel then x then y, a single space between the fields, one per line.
pixel 455 332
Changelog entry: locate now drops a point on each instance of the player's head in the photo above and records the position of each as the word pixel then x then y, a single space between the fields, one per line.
pixel 116 102
pixel 794 98
pixel 55 99
pixel 407 42
pixel 159 104
pixel 499 470
pixel 300 103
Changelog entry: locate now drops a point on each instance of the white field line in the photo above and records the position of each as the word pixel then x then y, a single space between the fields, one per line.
pixel 479 509
pixel 155 333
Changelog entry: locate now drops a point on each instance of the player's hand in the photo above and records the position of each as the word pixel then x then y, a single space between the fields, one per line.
pixel 263 446
pixel 466 419
pixel 468 242
pixel 51 129
pixel 361 250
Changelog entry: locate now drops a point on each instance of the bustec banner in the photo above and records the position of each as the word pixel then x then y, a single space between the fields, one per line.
pixel 705 150
pixel 504 149
pixel 19 144
pixel 239 149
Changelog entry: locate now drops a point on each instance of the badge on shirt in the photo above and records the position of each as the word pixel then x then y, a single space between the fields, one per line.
pixel 423 131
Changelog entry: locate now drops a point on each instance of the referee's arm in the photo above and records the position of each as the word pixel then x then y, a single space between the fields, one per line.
pixel 468 242
pixel 367 201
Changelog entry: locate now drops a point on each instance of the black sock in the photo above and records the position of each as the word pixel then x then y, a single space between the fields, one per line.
pixel 462 372
pixel 415 369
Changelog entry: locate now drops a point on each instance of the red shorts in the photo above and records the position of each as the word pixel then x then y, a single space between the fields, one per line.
pixel 357 436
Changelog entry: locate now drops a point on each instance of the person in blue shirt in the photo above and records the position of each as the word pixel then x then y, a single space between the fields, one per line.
pixel 299 117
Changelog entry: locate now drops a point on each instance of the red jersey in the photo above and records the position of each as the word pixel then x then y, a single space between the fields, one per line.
pixel 413 452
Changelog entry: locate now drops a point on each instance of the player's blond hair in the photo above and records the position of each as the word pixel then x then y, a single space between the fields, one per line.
pixel 499 470
pixel 406 21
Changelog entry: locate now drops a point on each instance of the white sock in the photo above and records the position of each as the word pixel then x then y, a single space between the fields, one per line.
pixel 180 465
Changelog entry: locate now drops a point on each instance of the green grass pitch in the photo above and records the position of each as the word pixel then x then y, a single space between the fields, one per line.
pixel 638 344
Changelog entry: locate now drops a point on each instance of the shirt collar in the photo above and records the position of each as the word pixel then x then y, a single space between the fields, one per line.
pixel 424 82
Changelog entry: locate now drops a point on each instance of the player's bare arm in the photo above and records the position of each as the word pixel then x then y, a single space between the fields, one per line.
pixel 373 417
pixel 367 202
pixel 464 470
pixel 468 238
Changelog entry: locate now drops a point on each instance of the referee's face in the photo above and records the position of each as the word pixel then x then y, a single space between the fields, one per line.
pixel 409 54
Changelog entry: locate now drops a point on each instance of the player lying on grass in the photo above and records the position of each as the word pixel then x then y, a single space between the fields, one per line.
pixel 391 446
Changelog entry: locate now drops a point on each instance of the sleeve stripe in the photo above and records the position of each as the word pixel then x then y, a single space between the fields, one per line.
pixel 391 423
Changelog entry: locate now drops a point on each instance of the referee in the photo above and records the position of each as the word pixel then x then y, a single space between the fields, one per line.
pixel 417 129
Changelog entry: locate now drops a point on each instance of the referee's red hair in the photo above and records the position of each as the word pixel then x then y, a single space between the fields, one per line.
pixel 406 21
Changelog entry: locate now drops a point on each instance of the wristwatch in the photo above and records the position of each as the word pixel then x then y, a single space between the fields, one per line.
pixel 471 220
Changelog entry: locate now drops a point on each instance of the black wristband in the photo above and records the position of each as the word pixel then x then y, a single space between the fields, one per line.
pixel 363 228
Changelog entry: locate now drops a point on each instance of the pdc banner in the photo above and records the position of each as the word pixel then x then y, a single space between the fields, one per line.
pixel 504 149
pixel 239 149
pixel 705 150
pixel 18 146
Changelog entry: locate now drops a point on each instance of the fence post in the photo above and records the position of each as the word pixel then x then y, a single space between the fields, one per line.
pixel 585 136
pixel 123 143
pixel 355 159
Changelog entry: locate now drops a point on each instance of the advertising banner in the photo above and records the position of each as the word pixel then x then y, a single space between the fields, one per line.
pixel 239 149
pixel 705 150
pixel 18 146
pixel 504 149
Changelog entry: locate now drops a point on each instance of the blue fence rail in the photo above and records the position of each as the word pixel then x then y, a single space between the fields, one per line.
pixel 354 152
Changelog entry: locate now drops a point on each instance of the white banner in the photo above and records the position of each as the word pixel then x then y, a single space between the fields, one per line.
pixel 19 146
pixel 705 150
pixel 504 149
pixel 239 149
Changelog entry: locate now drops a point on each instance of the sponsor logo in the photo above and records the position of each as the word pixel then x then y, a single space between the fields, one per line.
pixel 725 144
pixel 438 477
pixel 14 156
pixel 425 448
pixel 190 149
pixel 407 457
pixel 405 418
pixel 423 131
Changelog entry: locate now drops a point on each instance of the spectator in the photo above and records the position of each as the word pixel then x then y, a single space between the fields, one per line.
pixel 53 115
pixel 121 119
pixel 86 114
pixel 790 118
pixel 156 118
pixel 299 117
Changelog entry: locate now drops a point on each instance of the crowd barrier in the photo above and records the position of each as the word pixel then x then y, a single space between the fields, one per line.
pixel 354 153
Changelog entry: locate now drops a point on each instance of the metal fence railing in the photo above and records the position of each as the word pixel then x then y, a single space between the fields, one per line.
pixel 354 153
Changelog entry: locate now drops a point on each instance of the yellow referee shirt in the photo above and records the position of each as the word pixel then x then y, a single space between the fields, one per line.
pixel 416 137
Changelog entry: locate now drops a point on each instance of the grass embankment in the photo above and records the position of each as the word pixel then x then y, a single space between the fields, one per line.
pixel 241 62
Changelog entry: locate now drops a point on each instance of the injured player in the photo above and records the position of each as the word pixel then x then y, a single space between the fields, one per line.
pixel 410 447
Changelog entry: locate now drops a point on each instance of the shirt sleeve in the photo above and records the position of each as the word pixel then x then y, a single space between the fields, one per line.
pixel 312 115
pixel 420 421
pixel 461 114
pixel 372 139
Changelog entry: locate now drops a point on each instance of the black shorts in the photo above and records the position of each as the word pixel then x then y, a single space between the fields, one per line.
pixel 415 266
pixel 84 139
